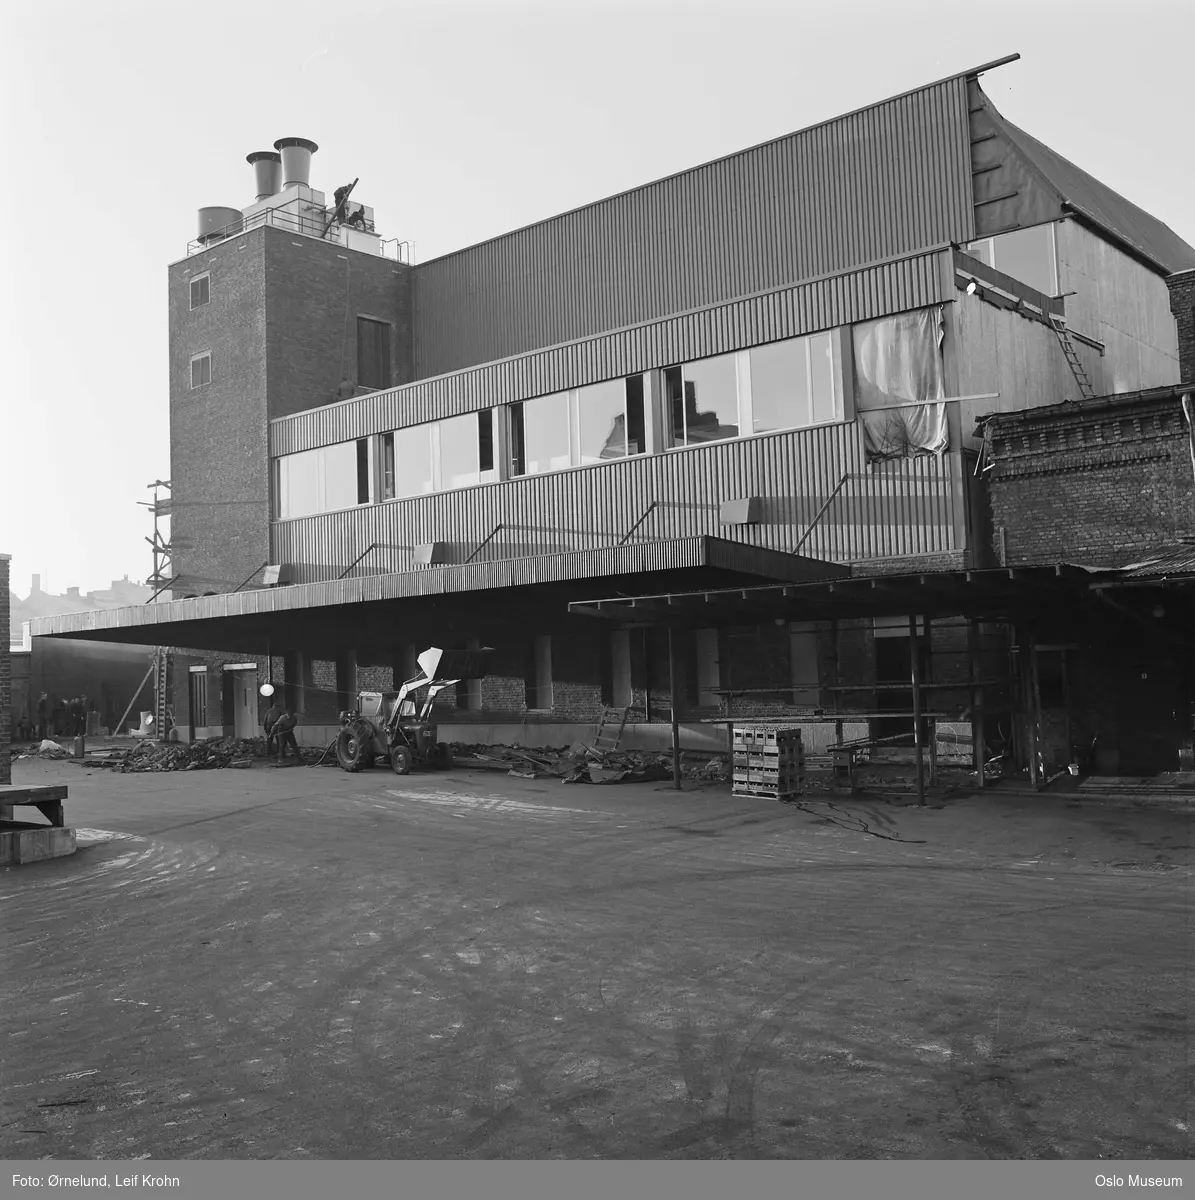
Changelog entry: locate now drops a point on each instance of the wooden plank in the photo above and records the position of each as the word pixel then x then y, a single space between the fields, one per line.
pixel 11 793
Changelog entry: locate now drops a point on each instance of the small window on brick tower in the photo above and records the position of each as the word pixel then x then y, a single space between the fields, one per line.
pixel 373 353
pixel 201 290
pixel 201 370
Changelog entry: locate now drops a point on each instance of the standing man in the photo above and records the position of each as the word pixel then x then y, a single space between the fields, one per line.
pixel 43 709
pixel 267 723
pixel 284 732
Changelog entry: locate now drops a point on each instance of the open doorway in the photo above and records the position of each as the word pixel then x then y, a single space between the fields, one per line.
pixel 240 699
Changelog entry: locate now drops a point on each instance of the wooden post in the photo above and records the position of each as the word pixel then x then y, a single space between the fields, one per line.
pixel 917 739
pixel 672 682
pixel 1038 767
pixel 931 722
pixel 974 673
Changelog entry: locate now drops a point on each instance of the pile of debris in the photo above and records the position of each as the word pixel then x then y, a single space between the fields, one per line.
pixel 193 756
pixel 46 749
pixel 580 763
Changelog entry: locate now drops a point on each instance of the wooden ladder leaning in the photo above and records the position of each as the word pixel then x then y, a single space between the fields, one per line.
pixel 609 732
pixel 1086 390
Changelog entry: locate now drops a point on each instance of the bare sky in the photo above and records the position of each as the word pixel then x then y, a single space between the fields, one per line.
pixel 462 121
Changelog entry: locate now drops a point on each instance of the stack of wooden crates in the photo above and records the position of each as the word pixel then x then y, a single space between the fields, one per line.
pixel 768 761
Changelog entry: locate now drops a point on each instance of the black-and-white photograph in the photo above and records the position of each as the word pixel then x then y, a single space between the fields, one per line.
pixel 597 583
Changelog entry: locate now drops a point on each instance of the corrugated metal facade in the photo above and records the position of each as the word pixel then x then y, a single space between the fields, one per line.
pixel 890 180
pixel 896 509
pixel 860 295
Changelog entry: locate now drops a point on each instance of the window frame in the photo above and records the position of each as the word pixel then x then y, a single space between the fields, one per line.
pixel 205 277
pixel 197 358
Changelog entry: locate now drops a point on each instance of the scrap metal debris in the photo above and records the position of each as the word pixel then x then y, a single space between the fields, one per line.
pixel 582 763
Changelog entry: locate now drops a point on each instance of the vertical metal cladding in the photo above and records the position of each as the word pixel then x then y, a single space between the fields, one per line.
pixel 890 180
pixel 820 304
pixel 895 509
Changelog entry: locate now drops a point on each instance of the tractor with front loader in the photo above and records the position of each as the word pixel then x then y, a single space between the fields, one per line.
pixel 398 726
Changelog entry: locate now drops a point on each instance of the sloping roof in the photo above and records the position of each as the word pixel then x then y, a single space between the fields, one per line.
pixel 1168 562
pixel 1110 211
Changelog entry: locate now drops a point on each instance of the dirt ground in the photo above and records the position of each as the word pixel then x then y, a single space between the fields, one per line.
pixel 298 962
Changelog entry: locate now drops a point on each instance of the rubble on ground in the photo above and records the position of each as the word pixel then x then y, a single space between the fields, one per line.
pixel 581 763
pixel 46 749
pixel 191 756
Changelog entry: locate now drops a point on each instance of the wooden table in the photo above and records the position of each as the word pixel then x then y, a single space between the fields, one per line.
pixel 46 798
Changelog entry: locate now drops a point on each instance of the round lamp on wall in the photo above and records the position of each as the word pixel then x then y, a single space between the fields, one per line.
pixel 267 689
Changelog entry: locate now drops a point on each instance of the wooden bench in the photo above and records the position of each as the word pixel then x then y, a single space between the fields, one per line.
pixel 46 798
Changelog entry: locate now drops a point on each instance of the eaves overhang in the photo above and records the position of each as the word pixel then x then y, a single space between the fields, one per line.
pixel 247 619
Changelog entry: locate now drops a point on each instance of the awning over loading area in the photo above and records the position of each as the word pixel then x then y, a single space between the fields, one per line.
pixel 1003 593
pixel 387 611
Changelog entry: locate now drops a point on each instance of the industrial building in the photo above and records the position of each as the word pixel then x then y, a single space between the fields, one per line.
pixel 762 391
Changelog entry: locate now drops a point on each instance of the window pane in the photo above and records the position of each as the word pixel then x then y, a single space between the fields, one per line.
pixel 199 291
pixel 636 425
pixel 780 386
pixel 601 412
pixel 485 439
pixel 340 475
pixel 518 442
pixel 201 370
pixel 363 471
pixel 413 461
pixel 981 250
pixel 821 370
pixel 388 466
pixel 459 461
pixel 711 400
pixel 1027 255
pixel 674 405
pixel 298 484
pixel 545 433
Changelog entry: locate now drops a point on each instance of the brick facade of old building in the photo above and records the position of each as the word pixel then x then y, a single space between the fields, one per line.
pixel 1098 483
pixel 1182 304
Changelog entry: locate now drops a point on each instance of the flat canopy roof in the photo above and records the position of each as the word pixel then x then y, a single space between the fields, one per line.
pixel 385 610
pixel 995 593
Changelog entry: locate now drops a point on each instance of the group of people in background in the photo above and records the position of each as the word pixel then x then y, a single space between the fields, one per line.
pixel 55 716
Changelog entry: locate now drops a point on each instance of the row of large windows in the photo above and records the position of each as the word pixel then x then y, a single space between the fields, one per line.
pixel 791 384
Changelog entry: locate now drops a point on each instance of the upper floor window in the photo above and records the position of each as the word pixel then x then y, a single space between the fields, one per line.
pixel 373 353
pixel 784 385
pixel 201 369
pixel 578 428
pixel 324 479
pixel 796 383
pixel 201 291
pixel 438 456
pixel 1026 254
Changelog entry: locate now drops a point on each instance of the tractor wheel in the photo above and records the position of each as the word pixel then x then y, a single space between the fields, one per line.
pixel 400 760
pixel 350 749
pixel 441 756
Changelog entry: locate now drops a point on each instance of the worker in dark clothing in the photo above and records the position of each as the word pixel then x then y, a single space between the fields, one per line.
pixel 267 723
pixel 76 716
pixel 346 391
pixel 284 733
pixel 43 712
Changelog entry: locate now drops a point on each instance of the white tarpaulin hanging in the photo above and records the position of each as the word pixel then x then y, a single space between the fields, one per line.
pixel 898 361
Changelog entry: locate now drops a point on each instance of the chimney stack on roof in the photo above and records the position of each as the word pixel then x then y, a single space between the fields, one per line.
pixel 296 159
pixel 267 166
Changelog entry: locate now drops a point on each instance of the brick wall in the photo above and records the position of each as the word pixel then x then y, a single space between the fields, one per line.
pixel 275 325
pixel 1091 483
pixel 1182 304
pixel 5 675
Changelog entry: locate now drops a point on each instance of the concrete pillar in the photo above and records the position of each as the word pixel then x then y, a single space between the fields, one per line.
pixel 346 679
